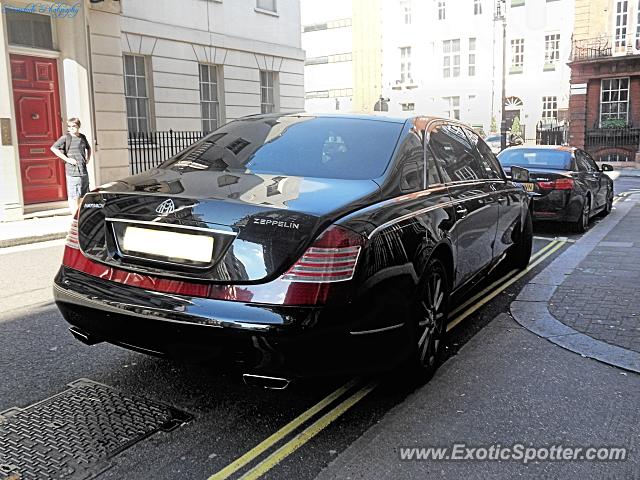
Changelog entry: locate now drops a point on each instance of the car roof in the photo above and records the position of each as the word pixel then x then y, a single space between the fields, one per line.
pixel 563 148
pixel 376 116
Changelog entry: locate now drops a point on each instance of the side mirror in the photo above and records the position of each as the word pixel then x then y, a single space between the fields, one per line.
pixel 605 167
pixel 519 174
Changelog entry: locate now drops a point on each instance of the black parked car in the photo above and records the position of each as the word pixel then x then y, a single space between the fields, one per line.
pixel 568 184
pixel 295 245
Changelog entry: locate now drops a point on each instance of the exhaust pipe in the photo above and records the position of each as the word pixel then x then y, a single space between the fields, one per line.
pixel 84 337
pixel 270 383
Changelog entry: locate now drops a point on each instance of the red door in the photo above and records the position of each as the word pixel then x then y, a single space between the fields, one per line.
pixel 38 121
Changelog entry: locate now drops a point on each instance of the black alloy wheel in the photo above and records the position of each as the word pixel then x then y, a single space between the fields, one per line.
pixel 583 221
pixel 431 321
pixel 608 206
pixel 519 253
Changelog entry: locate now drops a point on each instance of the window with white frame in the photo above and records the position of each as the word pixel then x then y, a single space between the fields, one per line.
pixel 477 7
pixel 405 65
pixel 267 91
pixel 620 28
pixel 408 107
pixel 549 107
pixel 517 54
pixel 135 92
pixel 614 100
pixel 269 5
pixel 29 29
pixel 551 48
pixel 451 58
pixel 452 105
pixel 209 97
pixel 442 10
pixel 614 157
pixel 472 57
pixel 405 6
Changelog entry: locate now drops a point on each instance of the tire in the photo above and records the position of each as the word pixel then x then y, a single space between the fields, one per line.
pixel 582 224
pixel 519 253
pixel 430 322
pixel 608 206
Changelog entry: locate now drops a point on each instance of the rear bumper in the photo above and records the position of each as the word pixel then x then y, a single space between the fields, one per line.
pixel 287 341
pixel 557 206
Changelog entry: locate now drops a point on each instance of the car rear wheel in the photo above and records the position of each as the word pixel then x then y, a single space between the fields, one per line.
pixel 519 253
pixel 430 322
pixel 608 206
pixel 583 220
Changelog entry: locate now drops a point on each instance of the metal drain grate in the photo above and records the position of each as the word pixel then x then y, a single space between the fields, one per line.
pixel 73 434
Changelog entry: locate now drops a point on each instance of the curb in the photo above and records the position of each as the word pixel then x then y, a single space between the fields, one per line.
pixel 14 242
pixel 530 308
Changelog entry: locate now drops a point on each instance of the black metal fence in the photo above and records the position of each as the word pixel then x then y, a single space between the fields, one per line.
pixel 613 137
pixel 552 134
pixel 590 48
pixel 149 149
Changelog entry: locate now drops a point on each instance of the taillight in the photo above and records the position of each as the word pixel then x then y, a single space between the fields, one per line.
pixel 559 184
pixel 331 258
pixel 72 235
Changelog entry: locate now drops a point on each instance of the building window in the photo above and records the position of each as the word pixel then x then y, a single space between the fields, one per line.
pixel 614 102
pixel 267 92
pixel 477 7
pixel 551 49
pixel 451 58
pixel 453 107
pixel 135 92
pixel 620 28
pixel 29 29
pixel 269 5
pixel 614 157
pixel 442 10
pixel 209 97
pixel 342 57
pixel 517 55
pixel 408 107
pixel 405 5
pixel 472 57
pixel 549 107
pixel 405 65
pixel 314 27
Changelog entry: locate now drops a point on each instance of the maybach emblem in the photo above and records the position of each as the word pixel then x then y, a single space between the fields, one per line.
pixel 166 207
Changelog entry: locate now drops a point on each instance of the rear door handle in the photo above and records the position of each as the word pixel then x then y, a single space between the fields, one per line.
pixel 461 212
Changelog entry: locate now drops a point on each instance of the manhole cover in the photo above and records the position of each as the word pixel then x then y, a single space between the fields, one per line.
pixel 73 434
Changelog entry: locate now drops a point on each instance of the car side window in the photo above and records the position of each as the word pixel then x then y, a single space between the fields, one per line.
pixel 591 162
pixel 411 163
pixel 582 162
pixel 488 161
pixel 454 154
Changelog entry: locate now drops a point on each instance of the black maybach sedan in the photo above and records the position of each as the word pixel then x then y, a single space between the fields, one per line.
pixel 567 183
pixel 295 245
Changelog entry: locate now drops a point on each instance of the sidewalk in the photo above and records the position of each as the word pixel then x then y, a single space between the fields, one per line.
pixel 37 229
pixel 512 384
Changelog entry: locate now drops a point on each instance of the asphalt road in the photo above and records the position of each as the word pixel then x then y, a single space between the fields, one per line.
pixel 39 358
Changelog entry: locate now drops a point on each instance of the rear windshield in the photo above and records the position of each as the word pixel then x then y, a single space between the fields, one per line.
pixel 346 148
pixel 530 157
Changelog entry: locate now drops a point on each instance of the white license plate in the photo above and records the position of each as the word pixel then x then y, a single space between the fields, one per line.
pixel 164 243
pixel 528 187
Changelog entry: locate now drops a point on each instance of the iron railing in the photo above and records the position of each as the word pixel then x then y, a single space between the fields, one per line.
pixel 552 133
pixel 149 149
pixel 612 137
pixel 591 48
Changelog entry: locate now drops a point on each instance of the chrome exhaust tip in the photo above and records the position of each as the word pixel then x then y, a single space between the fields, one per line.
pixel 270 383
pixel 84 337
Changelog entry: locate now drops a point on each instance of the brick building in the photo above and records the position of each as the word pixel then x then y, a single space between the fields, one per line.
pixel 604 105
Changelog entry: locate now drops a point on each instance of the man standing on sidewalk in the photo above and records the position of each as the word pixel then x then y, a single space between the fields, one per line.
pixel 73 148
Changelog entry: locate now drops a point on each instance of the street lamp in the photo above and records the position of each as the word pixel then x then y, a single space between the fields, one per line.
pixel 501 14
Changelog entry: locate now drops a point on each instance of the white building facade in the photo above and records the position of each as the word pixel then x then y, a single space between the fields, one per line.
pixel 327 39
pixel 444 57
pixel 128 67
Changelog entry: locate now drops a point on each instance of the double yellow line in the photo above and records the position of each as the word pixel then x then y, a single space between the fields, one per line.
pixel 467 308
